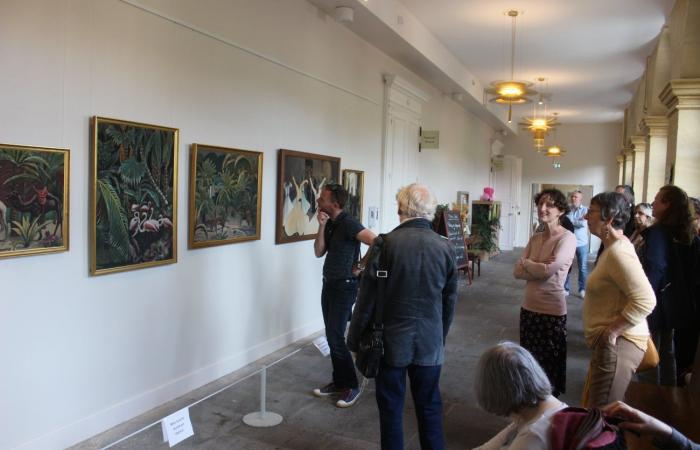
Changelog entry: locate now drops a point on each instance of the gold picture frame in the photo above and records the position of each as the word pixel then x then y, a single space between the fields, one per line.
pixel 225 192
pixel 34 200
pixel 133 177
pixel 354 184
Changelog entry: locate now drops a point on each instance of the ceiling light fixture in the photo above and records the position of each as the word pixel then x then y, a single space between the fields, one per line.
pixel 555 151
pixel 540 124
pixel 511 92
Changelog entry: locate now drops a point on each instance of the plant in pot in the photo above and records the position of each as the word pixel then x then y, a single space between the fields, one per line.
pixel 485 230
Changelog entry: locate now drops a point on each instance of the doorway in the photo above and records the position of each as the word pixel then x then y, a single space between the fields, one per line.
pixel 567 189
pixel 402 118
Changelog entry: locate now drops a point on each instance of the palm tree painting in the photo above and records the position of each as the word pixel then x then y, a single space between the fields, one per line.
pixel 225 195
pixel 33 200
pixel 134 196
pixel 302 177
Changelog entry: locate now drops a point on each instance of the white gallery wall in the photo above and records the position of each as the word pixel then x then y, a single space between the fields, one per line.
pixel 81 354
pixel 590 160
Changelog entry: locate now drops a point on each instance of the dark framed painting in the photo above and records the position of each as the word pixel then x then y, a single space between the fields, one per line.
pixel 225 195
pixel 133 190
pixel 34 184
pixel 300 179
pixel 354 183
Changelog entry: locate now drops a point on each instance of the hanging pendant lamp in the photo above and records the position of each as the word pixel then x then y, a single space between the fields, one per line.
pixel 511 92
pixel 540 123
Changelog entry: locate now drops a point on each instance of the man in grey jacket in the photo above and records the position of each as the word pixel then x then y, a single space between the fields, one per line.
pixel 419 301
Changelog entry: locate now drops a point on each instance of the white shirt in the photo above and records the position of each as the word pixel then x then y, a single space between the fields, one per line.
pixel 531 435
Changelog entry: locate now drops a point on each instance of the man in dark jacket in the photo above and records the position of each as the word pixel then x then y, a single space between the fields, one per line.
pixel 419 301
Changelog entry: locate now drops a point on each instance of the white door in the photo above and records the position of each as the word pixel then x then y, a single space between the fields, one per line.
pixel 399 164
pixel 507 178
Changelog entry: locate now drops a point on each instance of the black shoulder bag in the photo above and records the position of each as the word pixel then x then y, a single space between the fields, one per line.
pixel 371 346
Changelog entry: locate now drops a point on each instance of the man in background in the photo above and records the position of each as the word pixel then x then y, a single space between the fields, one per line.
pixel 339 237
pixel 576 215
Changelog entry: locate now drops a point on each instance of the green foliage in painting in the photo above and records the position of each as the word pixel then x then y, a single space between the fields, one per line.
pixel 226 195
pixel 134 194
pixel 32 193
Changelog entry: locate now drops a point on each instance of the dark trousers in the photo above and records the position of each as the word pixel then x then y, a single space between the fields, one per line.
pixel 391 390
pixel 685 341
pixel 582 263
pixel 337 299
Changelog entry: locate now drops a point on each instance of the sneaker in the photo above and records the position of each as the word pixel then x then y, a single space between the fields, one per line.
pixel 348 398
pixel 582 293
pixel 327 390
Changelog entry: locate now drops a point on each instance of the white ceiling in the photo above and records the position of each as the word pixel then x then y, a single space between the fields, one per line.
pixel 592 52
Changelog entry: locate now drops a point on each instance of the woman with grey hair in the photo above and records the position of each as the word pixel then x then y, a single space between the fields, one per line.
pixel 618 300
pixel 510 383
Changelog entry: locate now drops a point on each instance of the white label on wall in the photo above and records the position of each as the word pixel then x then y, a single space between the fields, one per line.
pixel 177 427
pixel 322 345
pixel 373 220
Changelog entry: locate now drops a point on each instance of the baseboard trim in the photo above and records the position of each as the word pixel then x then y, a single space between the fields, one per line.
pixel 114 415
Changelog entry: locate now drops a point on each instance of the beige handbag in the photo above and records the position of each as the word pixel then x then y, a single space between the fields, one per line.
pixel 651 357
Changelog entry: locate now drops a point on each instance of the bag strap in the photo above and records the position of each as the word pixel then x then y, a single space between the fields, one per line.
pixel 382 274
pixel 590 427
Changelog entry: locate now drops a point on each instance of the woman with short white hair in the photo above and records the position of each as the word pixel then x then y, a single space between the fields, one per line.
pixel 643 219
pixel 510 383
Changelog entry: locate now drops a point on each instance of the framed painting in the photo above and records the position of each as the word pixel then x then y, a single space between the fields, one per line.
pixel 133 189
pixel 34 196
pixel 301 177
pixel 225 195
pixel 354 183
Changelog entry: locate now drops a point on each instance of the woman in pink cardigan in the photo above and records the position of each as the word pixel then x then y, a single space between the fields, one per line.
pixel 544 265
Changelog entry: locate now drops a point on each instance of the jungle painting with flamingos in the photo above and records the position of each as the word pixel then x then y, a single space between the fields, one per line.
pixel 33 200
pixel 133 195
pixel 301 177
pixel 225 195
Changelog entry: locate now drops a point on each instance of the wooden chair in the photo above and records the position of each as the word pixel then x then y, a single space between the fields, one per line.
pixel 473 255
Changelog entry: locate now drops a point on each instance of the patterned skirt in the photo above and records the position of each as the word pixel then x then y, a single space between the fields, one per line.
pixel 545 337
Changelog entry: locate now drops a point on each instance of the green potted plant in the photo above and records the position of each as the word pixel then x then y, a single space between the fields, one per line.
pixel 485 230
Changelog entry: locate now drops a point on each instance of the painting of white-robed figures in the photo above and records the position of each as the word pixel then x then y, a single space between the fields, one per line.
pixel 301 178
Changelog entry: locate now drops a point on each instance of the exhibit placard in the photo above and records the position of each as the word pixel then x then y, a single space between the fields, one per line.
pixel 177 427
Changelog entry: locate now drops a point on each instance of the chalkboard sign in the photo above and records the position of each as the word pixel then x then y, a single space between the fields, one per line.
pixel 450 226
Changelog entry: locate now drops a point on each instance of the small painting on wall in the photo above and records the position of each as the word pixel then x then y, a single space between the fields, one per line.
pixel 301 177
pixel 133 207
pixel 34 197
pixel 225 195
pixel 354 183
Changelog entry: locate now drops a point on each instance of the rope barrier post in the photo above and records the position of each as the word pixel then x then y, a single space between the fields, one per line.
pixel 262 418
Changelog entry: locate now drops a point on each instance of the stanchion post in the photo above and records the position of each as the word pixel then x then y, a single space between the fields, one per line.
pixel 262 418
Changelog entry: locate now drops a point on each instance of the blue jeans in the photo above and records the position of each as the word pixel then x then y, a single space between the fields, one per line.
pixel 582 262
pixel 391 390
pixel 337 299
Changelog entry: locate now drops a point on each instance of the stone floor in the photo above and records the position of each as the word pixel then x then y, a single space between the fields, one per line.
pixel 487 312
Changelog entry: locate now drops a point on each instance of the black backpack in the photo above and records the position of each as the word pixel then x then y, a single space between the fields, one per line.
pixel 681 293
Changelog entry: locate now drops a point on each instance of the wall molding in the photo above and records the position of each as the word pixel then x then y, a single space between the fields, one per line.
pixel 242 48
